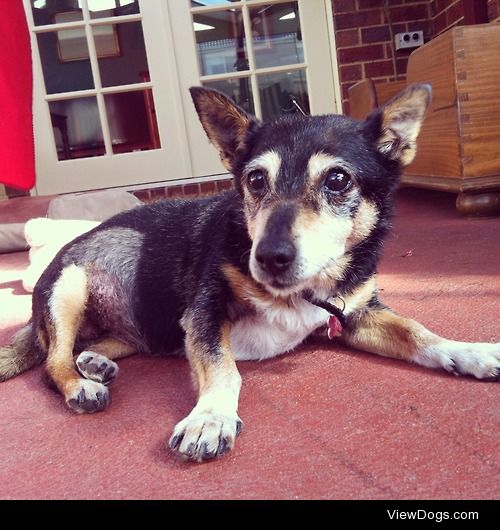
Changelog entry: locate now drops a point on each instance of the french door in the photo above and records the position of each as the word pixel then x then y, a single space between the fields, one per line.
pixel 112 105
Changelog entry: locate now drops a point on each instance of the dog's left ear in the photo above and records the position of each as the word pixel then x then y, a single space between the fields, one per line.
pixel 227 125
pixel 396 125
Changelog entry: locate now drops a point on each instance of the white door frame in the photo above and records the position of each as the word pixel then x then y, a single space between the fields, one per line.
pixel 171 161
pixel 171 48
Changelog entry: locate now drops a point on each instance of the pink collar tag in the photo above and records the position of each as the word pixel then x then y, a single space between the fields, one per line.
pixel 334 327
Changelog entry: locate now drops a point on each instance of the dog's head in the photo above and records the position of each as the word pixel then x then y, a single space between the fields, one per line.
pixel 313 188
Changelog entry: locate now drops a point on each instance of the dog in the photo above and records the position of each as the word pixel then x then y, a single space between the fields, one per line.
pixel 246 274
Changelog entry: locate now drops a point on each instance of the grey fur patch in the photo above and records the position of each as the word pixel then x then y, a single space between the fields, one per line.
pixel 111 259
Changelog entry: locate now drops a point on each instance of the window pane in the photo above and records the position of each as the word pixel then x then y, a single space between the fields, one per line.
pixel 50 11
pixel 132 121
pixel 122 54
pixel 112 8
pixel 220 39
pixel 77 128
pixel 237 89
pixel 276 33
pixel 65 60
pixel 283 93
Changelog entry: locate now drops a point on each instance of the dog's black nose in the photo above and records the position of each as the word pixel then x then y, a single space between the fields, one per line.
pixel 275 257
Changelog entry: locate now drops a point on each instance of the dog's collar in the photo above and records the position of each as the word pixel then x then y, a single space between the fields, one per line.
pixel 336 321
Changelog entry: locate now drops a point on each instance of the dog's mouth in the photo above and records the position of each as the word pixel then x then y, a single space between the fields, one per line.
pixel 281 285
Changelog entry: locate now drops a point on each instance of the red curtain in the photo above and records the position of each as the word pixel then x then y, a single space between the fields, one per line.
pixel 17 157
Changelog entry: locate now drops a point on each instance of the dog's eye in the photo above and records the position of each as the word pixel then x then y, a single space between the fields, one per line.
pixel 256 182
pixel 337 180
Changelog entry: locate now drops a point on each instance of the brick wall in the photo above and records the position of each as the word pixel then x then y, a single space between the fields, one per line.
pixel 449 13
pixel 446 14
pixel 174 191
pixel 364 41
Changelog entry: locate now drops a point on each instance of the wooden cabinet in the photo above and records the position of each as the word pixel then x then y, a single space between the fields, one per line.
pixel 459 144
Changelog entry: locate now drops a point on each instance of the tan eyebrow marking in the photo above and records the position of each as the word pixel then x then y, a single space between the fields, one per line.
pixel 271 162
pixel 321 162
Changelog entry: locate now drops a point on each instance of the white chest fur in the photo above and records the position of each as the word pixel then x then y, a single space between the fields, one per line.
pixel 275 329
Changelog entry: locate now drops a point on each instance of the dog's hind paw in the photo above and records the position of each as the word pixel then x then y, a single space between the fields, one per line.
pixel 88 396
pixel 96 367
pixel 205 436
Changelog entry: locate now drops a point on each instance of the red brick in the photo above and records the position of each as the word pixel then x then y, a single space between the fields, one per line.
pixel 358 20
pixel 191 189
pixel 175 191
pixel 208 187
pixel 402 66
pixel 375 34
pixel 441 5
pixel 343 6
pixel 347 37
pixel 379 69
pixel 433 8
pixel 351 72
pixel 412 12
pixel 454 13
pixel 370 4
pixel 399 28
pixel 362 53
pixel 143 195
pixel 224 185
pixel 439 23
pixel 158 194
pixel 346 107
pixel 421 25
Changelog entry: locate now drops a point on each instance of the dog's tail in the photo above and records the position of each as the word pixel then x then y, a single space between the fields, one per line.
pixel 21 354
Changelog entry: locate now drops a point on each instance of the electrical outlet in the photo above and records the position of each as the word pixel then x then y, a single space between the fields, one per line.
pixel 411 39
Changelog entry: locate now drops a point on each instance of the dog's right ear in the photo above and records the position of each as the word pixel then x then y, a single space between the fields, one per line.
pixel 227 125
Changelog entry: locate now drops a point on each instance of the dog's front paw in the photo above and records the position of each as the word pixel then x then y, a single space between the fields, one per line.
pixel 87 396
pixel 96 367
pixel 205 435
pixel 480 360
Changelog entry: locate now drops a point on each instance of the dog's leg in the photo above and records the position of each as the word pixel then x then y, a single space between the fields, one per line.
pixel 66 308
pixel 210 429
pixel 383 332
pixel 96 361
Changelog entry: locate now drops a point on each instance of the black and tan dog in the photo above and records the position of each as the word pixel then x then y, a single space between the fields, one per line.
pixel 248 274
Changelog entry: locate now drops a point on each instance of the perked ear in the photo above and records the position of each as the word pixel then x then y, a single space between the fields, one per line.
pixel 398 123
pixel 227 125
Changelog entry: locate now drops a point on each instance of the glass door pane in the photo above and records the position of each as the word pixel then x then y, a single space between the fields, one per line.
pixel 46 12
pixel 77 128
pixel 276 35
pixel 121 53
pixel 132 121
pixel 283 93
pixel 65 61
pixel 238 89
pixel 221 42
pixel 112 8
